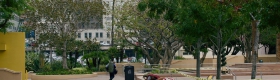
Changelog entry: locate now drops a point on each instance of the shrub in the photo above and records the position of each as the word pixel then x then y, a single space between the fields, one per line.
pixel 32 62
pixel 179 58
pixel 155 71
pixel 64 72
pixel 102 68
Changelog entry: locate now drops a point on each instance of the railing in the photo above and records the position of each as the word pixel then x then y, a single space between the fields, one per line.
pixel 231 72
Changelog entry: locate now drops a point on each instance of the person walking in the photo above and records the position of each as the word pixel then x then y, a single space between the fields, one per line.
pixel 111 68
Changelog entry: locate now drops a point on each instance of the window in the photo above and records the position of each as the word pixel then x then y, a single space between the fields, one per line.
pixel 108 34
pixel 79 35
pixel 101 42
pixel 101 35
pixel 108 42
pixel 89 35
pixel 86 35
pixel 96 34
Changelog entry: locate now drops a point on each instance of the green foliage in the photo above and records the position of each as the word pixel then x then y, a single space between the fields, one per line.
pixel 9 8
pixel 102 68
pixel 56 65
pixel 104 61
pixel 179 58
pixel 64 72
pixel 155 71
pixel 93 69
pixel 32 62
pixel 94 54
pixel 268 36
pixel 56 69
pixel 161 71
pixel 112 52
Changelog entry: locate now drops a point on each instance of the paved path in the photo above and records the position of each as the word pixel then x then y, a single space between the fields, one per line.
pixel 119 77
pixel 102 77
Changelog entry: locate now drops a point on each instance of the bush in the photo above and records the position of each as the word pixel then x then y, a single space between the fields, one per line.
pixel 93 69
pixel 179 58
pixel 65 72
pixel 102 68
pixel 32 62
pixel 155 71
pixel 56 65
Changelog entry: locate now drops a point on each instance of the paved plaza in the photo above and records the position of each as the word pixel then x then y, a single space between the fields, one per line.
pixel 120 77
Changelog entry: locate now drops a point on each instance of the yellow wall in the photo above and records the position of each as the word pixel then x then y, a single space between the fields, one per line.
pixel 14 56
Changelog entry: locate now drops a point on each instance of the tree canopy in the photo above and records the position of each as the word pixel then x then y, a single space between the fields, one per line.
pixel 9 9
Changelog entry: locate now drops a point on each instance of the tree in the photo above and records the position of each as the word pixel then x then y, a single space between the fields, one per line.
pixel 112 52
pixel 93 52
pixel 9 9
pixel 155 34
pixel 195 20
pixel 63 19
pixel 263 14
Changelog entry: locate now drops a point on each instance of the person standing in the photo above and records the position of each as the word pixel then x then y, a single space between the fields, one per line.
pixel 111 68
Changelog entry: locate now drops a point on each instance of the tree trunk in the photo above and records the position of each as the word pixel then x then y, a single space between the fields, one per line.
pixel 121 55
pixel 197 63
pixel 98 63
pixel 42 60
pixel 117 58
pixel 202 59
pixel 219 50
pixel 76 57
pixel 278 46
pixel 255 41
pixel 93 62
pixel 50 56
pixel 71 60
pixel 87 62
pixel 64 57
pixel 197 52
pixel 248 56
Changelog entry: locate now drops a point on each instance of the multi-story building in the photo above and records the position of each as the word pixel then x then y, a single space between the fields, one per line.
pixel 104 30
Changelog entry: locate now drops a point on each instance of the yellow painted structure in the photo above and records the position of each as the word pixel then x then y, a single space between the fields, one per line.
pixel 2 47
pixel 12 52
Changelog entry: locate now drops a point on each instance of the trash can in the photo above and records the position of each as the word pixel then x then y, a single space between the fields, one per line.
pixel 129 72
pixel 261 61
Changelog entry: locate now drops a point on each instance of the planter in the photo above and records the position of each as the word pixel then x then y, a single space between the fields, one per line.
pixel 170 75
pixel 62 77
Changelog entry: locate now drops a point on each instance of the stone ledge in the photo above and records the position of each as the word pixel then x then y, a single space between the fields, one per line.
pixel 8 70
pixel 62 77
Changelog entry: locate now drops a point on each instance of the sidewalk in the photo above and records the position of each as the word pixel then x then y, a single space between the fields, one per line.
pixel 102 77
pixel 119 77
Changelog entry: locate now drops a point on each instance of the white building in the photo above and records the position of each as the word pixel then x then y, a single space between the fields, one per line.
pixel 102 34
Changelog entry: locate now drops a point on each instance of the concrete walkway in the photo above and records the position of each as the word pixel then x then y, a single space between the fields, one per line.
pixel 101 77
pixel 119 77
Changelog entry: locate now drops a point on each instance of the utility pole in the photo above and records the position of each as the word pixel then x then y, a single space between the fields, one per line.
pixel 112 32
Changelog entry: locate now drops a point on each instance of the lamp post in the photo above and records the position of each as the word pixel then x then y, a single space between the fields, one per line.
pixel 145 55
pixel 98 58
